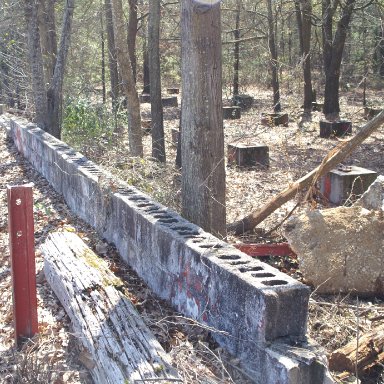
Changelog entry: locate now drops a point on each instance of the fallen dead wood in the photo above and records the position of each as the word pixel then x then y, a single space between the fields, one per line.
pixel 333 158
pixel 361 354
pixel 118 346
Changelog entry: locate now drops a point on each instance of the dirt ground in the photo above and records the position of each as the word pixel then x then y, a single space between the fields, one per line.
pixel 294 150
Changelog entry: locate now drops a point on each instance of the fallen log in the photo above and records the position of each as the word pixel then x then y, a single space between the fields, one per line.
pixel 118 346
pixel 360 355
pixel 333 158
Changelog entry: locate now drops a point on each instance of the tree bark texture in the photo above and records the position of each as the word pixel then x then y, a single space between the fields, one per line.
pixel 146 80
pixel 236 50
pixel 334 157
pixel 132 33
pixel 117 345
pixel 126 73
pixel 333 47
pixel 54 93
pixel 157 123
pixel 113 73
pixel 273 59
pixel 202 138
pixel 48 38
pixel 36 64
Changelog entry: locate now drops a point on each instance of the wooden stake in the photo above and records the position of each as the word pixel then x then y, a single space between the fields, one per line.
pixel 21 242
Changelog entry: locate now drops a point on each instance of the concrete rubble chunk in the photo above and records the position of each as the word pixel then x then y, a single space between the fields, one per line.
pixel 373 198
pixel 340 249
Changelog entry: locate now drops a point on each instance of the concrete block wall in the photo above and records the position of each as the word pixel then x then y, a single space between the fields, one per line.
pixel 259 312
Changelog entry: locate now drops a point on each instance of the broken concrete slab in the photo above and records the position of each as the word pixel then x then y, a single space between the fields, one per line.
pixel 373 198
pixel 340 249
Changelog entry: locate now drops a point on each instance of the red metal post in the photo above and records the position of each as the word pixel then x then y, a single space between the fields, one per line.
pixel 22 249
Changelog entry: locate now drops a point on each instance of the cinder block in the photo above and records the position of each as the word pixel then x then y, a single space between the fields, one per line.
pixel 169 101
pixel 345 185
pixel 245 102
pixel 173 91
pixel 335 128
pixel 231 113
pixel 274 119
pixel 145 98
pixel 248 154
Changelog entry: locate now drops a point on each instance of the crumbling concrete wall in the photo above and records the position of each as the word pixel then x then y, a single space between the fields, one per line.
pixel 258 312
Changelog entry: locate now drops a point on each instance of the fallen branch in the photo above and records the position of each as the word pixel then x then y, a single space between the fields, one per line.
pixel 333 158
pixel 361 356
pixel 118 346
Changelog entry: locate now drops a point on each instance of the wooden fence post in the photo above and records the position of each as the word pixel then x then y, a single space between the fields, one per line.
pixel 22 250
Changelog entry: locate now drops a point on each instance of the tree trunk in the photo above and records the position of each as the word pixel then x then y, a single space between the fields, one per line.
pixel 48 38
pixel 113 73
pixel 202 139
pixel 146 80
pixel 334 157
pixel 133 104
pixel 306 53
pixel 117 346
pixel 36 65
pixel 132 33
pixel 157 125
pixel 104 92
pixel 236 51
pixel 54 93
pixel 333 53
pixel 273 59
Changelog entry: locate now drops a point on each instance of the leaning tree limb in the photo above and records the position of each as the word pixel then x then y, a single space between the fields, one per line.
pixel 334 157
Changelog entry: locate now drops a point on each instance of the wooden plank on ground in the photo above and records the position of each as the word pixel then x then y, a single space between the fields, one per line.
pixel 118 346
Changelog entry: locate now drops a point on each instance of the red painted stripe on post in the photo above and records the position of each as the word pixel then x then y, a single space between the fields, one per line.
pixel 22 249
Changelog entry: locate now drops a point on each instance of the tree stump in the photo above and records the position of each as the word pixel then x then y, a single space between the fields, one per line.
pixel 245 102
pixel 231 113
pixel 169 101
pixel 248 154
pixel 173 91
pixel 335 128
pixel 146 126
pixel 118 345
pixel 370 113
pixel 274 119
pixel 145 98
pixel 175 136
pixel 1 109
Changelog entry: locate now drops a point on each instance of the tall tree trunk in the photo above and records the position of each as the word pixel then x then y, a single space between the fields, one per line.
pixel 306 39
pixel 236 51
pixel 202 139
pixel 48 38
pixel 273 59
pixel 126 73
pixel 157 125
pixel 54 93
pixel 113 73
pixel 36 64
pixel 104 92
pixel 132 33
pixel 146 80
pixel 333 53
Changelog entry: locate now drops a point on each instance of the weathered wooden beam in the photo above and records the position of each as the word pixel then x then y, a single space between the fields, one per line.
pixel 119 346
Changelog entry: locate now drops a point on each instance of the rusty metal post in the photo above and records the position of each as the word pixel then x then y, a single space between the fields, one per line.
pixel 22 250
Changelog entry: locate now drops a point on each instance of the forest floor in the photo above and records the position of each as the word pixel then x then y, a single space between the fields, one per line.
pixel 294 151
